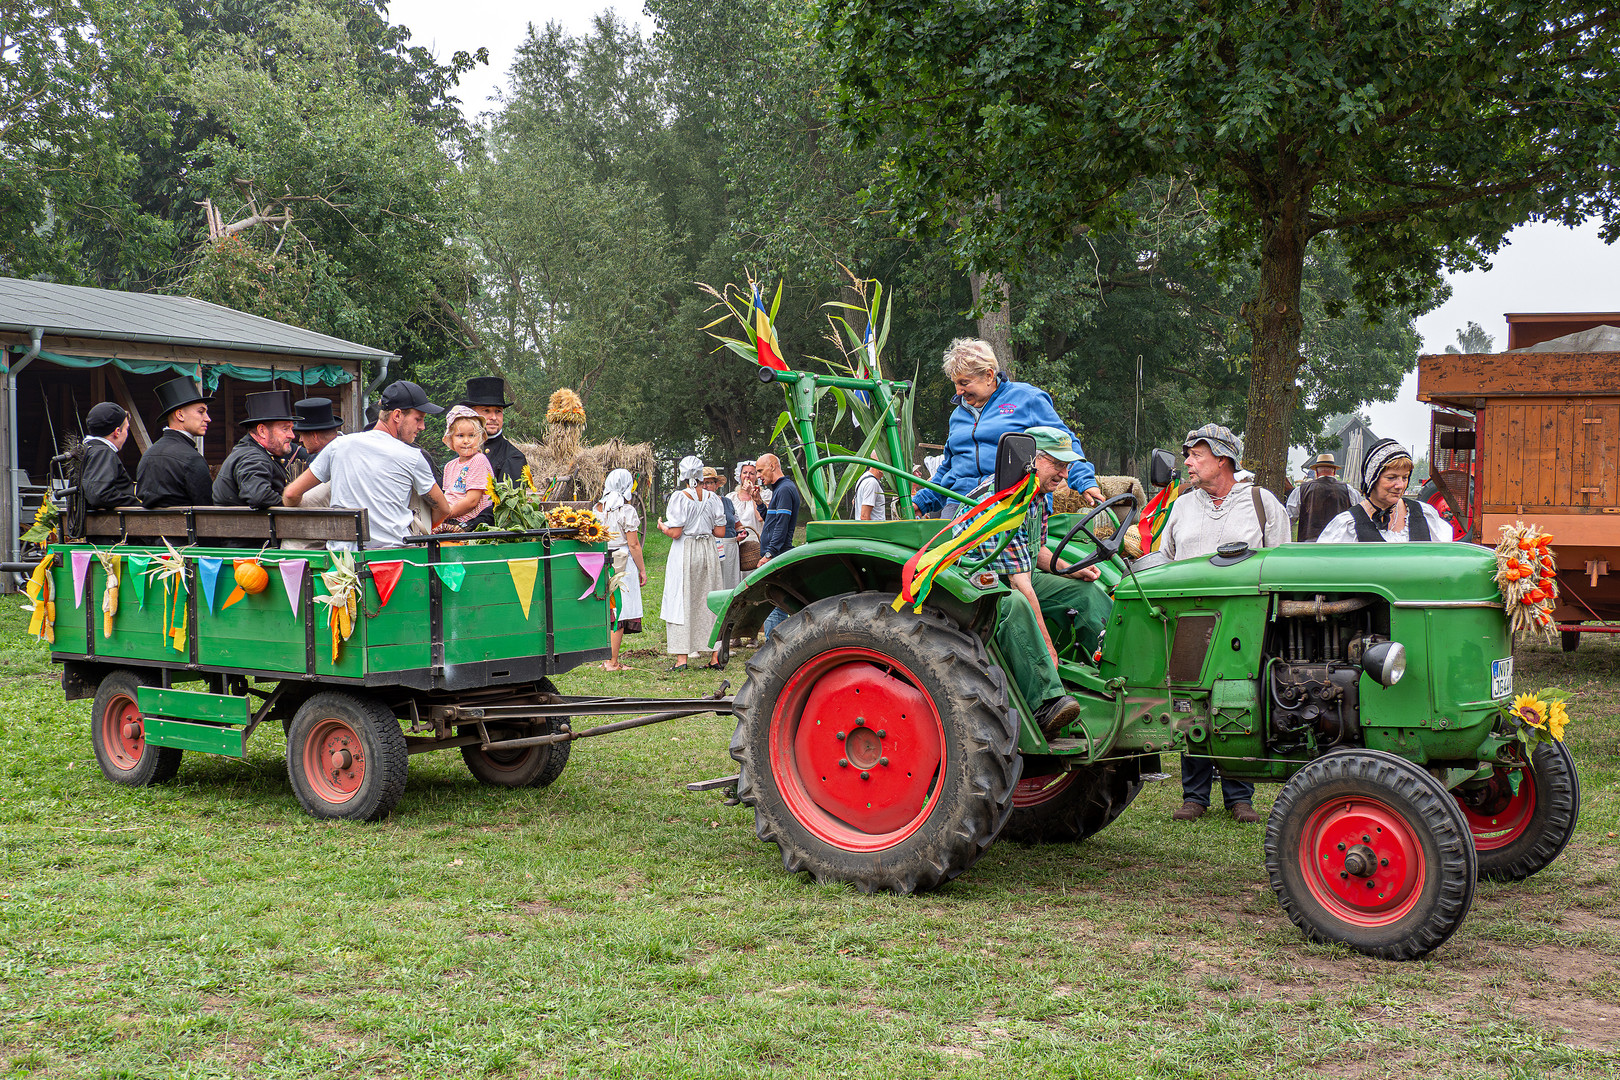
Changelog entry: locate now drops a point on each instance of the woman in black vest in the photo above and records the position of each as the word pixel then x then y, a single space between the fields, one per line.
pixel 1385 514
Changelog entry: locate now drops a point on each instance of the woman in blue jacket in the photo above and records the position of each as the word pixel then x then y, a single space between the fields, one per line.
pixel 988 405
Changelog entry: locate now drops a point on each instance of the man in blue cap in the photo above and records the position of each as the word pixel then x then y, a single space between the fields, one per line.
pixel 1039 592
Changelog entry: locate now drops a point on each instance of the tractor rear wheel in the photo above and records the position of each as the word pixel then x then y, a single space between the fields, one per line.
pixel 1067 807
pixel 1518 834
pixel 346 757
pixel 525 766
pixel 118 733
pixel 1366 848
pixel 877 746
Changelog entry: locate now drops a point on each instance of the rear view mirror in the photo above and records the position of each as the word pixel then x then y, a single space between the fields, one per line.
pixel 1163 469
pixel 1015 453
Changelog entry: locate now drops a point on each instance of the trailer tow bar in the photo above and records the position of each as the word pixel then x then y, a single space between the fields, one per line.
pixel 564 709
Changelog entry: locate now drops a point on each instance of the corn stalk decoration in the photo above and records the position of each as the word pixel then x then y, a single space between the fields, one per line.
pixel 170 569
pixel 342 598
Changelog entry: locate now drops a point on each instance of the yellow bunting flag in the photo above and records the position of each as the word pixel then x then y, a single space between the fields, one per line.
pixel 523 571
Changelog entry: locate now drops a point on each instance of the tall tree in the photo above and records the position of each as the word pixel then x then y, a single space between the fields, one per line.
pixel 1417 132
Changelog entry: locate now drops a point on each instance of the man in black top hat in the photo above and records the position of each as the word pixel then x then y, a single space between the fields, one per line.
pixel 103 481
pixel 172 472
pixel 252 474
pixel 486 396
pixel 315 428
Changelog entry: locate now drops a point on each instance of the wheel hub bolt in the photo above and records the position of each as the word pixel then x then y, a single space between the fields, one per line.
pixel 882 734
pixel 839 736
pixel 843 763
pixel 883 761
pixel 865 775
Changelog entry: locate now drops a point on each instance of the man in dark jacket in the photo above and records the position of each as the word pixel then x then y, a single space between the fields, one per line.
pixel 103 480
pixel 780 519
pixel 1319 500
pixel 252 474
pixel 172 472
pixel 486 396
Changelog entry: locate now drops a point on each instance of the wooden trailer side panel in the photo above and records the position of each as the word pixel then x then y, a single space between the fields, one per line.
pixel 1552 455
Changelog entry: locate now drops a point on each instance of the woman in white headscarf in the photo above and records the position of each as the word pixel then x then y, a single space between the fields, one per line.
pixel 629 568
pixel 693 520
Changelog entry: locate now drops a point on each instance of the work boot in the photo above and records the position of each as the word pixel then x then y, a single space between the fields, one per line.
pixel 1245 814
pixel 1056 714
pixel 1190 811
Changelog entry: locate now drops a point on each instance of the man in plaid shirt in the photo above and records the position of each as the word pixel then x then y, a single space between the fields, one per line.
pixel 1021 633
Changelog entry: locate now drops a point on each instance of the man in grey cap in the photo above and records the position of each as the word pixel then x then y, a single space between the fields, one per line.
pixel 379 470
pixel 1319 500
pixel 1217 508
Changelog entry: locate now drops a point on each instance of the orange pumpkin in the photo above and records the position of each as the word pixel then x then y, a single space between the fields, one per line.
pixel 250 575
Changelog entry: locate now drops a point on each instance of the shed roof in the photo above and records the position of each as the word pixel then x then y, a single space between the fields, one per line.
pixel 167 320
pixel 1595 340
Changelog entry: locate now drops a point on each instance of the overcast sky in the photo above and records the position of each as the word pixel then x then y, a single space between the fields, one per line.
pixel 1543 268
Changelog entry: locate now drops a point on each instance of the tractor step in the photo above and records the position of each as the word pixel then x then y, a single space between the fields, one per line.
pixel 1066 746
pixel 725 784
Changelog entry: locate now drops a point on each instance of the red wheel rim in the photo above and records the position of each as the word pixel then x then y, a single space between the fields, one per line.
pixel 334 761
pixel 123 732
pixel 1362 861
pixel 857 748
pixel 1496 816
pixel 1036 790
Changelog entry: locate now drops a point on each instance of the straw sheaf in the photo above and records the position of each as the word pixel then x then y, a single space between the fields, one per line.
pixel 588 465
pixel 1067 500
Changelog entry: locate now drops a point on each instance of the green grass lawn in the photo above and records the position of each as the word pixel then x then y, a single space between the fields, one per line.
pixel 616 925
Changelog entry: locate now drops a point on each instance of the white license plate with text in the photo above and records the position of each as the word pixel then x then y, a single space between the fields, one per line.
pixel 1502 678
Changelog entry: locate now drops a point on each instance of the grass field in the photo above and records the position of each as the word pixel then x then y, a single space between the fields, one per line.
pixel 617 925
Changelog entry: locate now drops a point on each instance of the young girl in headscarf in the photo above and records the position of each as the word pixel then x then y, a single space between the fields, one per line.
pixel 629 568
pixel 693 572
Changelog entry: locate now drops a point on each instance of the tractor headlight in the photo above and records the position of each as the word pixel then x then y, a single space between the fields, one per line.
pixel 1385 662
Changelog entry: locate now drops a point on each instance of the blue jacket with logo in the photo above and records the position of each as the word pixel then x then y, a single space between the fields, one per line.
pixel 970 450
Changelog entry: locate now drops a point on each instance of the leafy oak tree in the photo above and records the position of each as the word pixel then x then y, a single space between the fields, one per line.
pixel 1417 132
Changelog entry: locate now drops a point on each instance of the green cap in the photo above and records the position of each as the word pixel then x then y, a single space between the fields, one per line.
pixel 1054 442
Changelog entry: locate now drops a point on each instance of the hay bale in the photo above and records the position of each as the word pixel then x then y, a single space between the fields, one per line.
pixel 1067 501
pixel 588 467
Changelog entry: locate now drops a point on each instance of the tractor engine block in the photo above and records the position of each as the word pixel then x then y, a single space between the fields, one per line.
pixel 1314 703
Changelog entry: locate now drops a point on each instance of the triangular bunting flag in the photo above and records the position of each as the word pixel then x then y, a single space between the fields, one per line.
pixel 81 570
pixel 292 576
pixel 208 572
pixel 591 562
pixel 452 574
pixel 523 571
pixel 137 577
pixel 385 575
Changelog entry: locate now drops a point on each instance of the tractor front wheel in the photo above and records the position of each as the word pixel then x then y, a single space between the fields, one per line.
pixel 1069 806
pixel 1366 848
pixel 877 746
pixel 346 757
pixel 118 733
pixel 1519 833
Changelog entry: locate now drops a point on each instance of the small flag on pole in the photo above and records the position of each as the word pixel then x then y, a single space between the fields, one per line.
pixel 770 350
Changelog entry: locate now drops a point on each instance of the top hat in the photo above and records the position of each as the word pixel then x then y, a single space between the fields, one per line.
pixel 486 390
pixel 178 393
pixel 1324 460
pixel 315 414
pixel 267 406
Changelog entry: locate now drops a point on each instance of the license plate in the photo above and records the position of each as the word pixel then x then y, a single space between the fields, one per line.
pixel 1502 678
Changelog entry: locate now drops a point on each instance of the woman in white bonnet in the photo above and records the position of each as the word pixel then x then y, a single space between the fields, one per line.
pixel 629 568
pixel 693 571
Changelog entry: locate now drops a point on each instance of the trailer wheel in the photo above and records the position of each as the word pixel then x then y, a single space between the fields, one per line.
pixel 1519 834
pixel 1366 848
pixel 1069 806
pixel 346 757
pixel 118 732
pixel 877 746
pixel 526 766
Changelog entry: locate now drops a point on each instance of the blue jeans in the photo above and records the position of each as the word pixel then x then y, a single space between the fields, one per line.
pixel 776 618
pixel 1198 776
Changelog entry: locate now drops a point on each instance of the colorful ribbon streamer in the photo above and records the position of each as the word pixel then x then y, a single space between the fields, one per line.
pixel 999 513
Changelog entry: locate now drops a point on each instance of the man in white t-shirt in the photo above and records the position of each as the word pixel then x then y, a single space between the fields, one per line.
pixel 379 470
pixel 869 502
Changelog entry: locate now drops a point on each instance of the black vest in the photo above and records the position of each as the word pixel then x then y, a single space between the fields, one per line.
pixel 1417 526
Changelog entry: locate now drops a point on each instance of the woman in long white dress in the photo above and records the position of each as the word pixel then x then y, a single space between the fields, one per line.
pixel 693 520
pixel 629 568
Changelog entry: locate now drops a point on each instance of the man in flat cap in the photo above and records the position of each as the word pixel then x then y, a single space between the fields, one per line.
pixel 103 481
pixel 172 472
pixel 252 474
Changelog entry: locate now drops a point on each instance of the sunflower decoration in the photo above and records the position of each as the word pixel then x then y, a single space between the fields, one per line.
pixel 565 407
pixel 591 529
pixel 1538 717
pixel 1527 575
pixel 489 489
pixel 43 530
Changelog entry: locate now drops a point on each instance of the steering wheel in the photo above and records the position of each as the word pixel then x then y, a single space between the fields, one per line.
pixel 1104 549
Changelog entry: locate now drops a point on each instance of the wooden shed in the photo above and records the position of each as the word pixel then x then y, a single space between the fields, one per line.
pixel 1534 435
pixel 64 348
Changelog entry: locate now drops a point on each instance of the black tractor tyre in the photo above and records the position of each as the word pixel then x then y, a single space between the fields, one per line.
pixel 1368 849
pixel 524 766
pixel 118 733
pixel 346 757
pixel 1569 640
pixel 1067 807
pixel 1519 834
pixel 877 747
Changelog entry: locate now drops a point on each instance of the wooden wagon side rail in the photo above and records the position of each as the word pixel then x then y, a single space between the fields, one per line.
pixel 196 524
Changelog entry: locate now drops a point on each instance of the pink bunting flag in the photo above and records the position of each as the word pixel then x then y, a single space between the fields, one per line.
pixel 292 576
pixel 81 570
pixel 591 562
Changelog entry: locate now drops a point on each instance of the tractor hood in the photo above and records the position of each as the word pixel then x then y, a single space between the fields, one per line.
pixel 1414 573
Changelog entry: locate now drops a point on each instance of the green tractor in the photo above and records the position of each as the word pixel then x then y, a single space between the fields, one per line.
pixel 888 748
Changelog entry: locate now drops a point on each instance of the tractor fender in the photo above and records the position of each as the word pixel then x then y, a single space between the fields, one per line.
pixel 810 572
